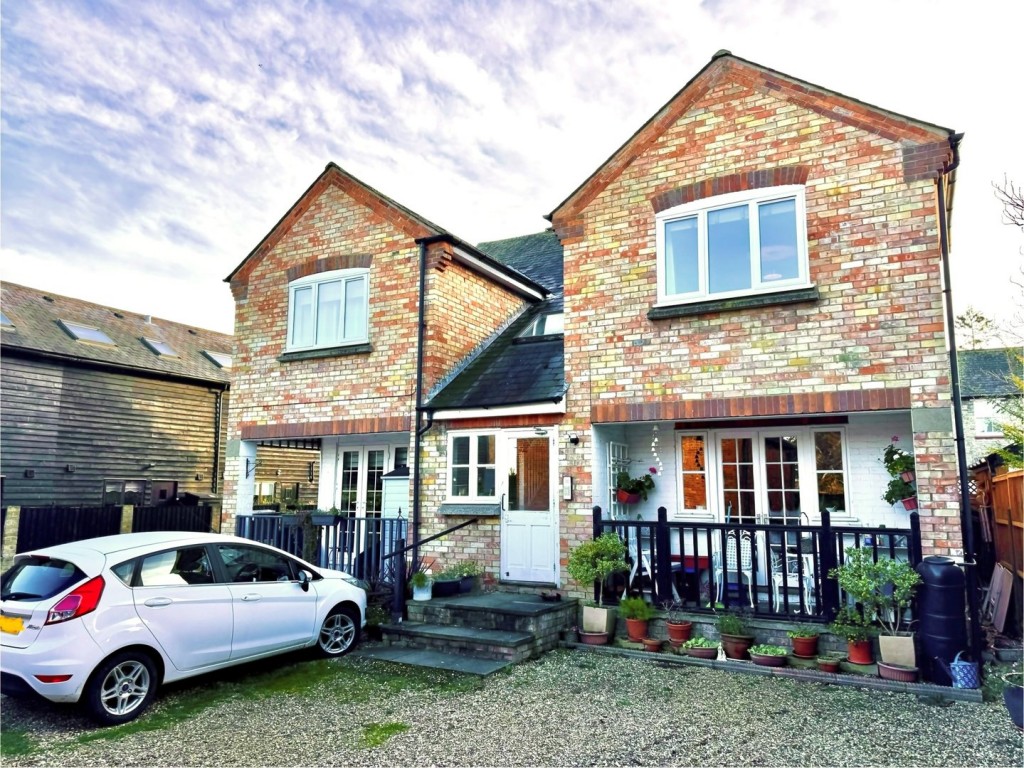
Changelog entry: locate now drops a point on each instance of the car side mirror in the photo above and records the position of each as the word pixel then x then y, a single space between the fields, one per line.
pixel 304 577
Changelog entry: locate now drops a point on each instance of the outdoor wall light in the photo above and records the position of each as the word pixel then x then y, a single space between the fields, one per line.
pixel 574 439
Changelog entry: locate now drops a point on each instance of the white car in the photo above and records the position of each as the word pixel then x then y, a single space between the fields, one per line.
pixel 105 621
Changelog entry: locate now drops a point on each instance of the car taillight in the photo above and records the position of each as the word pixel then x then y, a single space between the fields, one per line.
pixel 77 603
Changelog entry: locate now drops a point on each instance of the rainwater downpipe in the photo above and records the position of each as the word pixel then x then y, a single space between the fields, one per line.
pixel 420 429
pixel 966 525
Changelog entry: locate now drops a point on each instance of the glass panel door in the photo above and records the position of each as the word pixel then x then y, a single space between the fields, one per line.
pixel 360 480
pixel 529 535
pixel 739 503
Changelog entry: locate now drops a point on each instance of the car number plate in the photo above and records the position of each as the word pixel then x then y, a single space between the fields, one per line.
pixel 12 625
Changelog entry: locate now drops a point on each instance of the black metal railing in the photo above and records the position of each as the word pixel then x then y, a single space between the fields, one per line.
pixel 770 569
pixel 360 546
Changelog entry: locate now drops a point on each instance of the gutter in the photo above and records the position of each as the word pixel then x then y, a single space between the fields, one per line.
pixel 966 525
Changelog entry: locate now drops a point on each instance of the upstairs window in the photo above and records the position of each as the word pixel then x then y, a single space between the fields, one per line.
pixel 329 309
pixel 733 245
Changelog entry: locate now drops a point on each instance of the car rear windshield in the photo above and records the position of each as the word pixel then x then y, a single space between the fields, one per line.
pixel 38 578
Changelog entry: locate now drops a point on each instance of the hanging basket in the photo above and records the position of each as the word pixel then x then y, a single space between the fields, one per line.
pixel 624 497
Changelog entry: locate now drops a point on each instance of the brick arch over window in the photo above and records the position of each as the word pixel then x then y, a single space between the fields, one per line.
pixel 329 264
pixel 733 182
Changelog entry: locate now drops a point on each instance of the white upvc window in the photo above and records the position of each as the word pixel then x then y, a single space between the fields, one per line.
pixel 987 419
pixel 737 244
pixel 472 464
pixel 329 309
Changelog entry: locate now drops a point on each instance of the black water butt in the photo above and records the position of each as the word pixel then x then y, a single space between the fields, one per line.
pixel 942 612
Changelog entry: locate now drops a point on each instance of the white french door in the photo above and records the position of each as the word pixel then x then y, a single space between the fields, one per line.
pixel 527 472
pixel 360 486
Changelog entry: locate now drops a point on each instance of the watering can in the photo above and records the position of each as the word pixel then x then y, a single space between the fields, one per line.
pixel 964 674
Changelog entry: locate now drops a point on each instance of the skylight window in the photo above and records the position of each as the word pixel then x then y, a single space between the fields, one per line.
pixel 219 358
pixel 161 348
pixel 5 321
pixel 545 325
pixel 85 333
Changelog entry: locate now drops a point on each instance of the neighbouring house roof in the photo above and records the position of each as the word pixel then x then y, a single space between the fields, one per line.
pixel 988 372
pixel 923 136
pixel 512 370
pixel 44 323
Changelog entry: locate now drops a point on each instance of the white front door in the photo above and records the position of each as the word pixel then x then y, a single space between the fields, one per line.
pixel 529 517
pixel 360 487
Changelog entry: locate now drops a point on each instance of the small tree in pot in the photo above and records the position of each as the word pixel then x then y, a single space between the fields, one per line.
pixel 637 612
pixel 591 562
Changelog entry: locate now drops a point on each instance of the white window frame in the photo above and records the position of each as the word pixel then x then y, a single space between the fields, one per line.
pixel 315 281
pixel 474 466
pixel 986 416
pixel 701 209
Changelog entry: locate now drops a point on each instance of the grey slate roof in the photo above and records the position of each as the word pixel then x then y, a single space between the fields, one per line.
pixel 511 370
pixel 986 372
pixel 34 315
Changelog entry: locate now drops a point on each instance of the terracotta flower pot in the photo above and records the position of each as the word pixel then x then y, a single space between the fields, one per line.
pixel 679 631
pixel 859 652
pixel 767 660
pixel 910 504
pixel 828 664
pixel 652 644
pixel 594 638
pixel 805 647
pixel 737 646
pixel 636 629
pixel 897 672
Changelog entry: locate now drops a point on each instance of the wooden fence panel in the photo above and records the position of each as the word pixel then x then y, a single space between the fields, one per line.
pixel 40 527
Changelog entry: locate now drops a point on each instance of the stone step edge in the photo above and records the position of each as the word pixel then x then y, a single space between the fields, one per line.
pixel 495 637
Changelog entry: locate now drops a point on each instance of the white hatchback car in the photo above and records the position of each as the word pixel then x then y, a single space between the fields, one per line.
pixel 105 621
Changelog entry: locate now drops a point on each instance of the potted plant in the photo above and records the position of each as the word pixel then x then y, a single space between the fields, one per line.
pixel 700 648
pixel 630 490
pixel 805 640
pixel 853 628
pixel 470 572
pixel 679 628
pixel 884 589
pixel 421 589
pixel 830 662
pixel 768 655
pixel 652 644
pixel 591 562
pixel 637 612
pixel 732 628
pixel 448 581
pixel 900 466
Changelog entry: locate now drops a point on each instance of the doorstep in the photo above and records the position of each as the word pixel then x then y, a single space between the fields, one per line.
pixel 854 679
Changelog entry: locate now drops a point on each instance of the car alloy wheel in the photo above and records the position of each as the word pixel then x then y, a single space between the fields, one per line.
pixel 339 632
pixel 121 688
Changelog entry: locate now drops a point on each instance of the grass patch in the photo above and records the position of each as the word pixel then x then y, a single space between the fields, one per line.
pixel 349 680
pixel 376 734
pixel 15 743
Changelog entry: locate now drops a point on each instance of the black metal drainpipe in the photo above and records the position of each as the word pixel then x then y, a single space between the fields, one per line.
pixel 420 430
pixel 966 525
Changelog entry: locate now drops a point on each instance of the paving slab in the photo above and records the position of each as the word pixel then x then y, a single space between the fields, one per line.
pixel 419 657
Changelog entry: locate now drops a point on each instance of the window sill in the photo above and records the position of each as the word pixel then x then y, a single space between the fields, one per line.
pixel 314 354
pixel 712 306
pixel 470 510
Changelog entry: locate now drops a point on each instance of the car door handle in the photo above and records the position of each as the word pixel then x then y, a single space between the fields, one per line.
pixel 157 602
pixel 252 597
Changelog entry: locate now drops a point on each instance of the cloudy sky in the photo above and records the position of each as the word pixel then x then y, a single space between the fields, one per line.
pixel 148 145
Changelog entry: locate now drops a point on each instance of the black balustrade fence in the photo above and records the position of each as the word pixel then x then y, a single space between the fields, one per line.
pixel 364 547
pixel 767 569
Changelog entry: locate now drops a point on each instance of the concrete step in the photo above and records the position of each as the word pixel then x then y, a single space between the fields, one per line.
pixel 433 659
pixel 509 646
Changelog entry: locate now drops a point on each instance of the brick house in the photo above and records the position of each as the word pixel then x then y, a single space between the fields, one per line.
pixel 746 296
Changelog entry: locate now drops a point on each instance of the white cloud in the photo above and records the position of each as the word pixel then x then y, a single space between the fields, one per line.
pixel 163 140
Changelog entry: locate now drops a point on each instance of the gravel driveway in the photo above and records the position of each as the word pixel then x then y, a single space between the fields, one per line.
pixel 568 708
